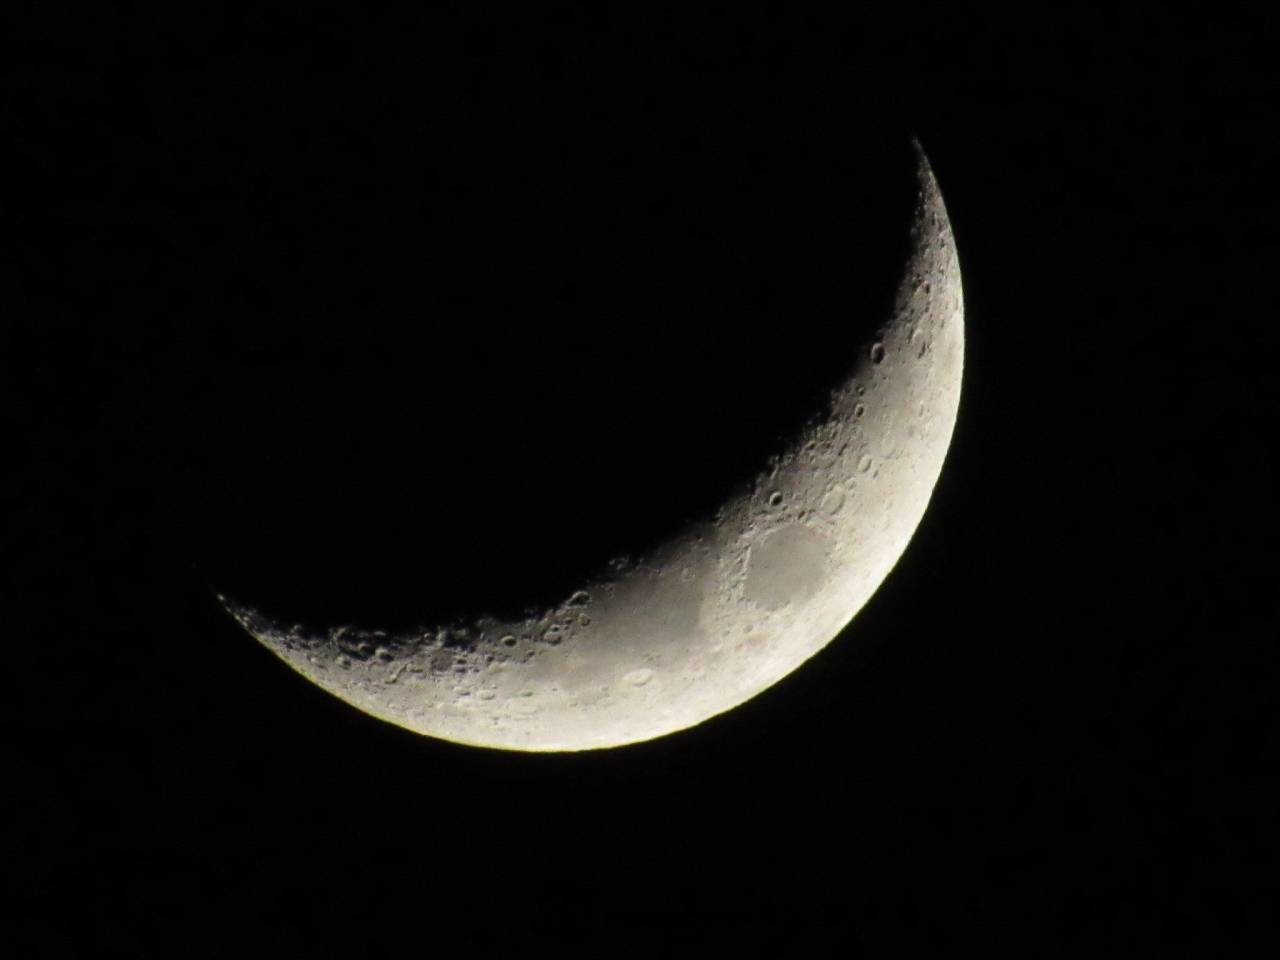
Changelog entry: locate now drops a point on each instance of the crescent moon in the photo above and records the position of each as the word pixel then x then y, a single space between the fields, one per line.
pixel 724 610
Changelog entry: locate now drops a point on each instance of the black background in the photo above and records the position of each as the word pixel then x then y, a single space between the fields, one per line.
pixel 387 320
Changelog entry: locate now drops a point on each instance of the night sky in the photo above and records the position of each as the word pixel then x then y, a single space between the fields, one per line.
pixel 386 320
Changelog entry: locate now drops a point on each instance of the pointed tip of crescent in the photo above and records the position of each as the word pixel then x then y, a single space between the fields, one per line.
pixel 249 619
pixel 230 604
pixel 924 169
pixel 922 159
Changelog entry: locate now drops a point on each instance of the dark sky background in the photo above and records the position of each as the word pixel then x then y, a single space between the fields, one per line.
pixel 382 319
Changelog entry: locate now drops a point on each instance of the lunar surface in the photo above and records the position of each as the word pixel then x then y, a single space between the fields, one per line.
pixel 723 611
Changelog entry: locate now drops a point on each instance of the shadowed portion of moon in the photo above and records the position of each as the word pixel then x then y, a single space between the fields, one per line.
pixel 518 347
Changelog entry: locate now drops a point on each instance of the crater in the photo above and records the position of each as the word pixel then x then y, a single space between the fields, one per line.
pixel 787 565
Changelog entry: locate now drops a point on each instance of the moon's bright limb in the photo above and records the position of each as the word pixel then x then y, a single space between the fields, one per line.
pixel 718 614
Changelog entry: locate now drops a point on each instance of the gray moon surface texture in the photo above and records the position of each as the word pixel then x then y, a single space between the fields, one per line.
pixel 722 611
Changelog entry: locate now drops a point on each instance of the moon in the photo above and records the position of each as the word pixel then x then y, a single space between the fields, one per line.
pixel 723 610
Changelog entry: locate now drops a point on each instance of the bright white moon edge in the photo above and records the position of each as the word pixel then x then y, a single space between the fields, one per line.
pixel 718 614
